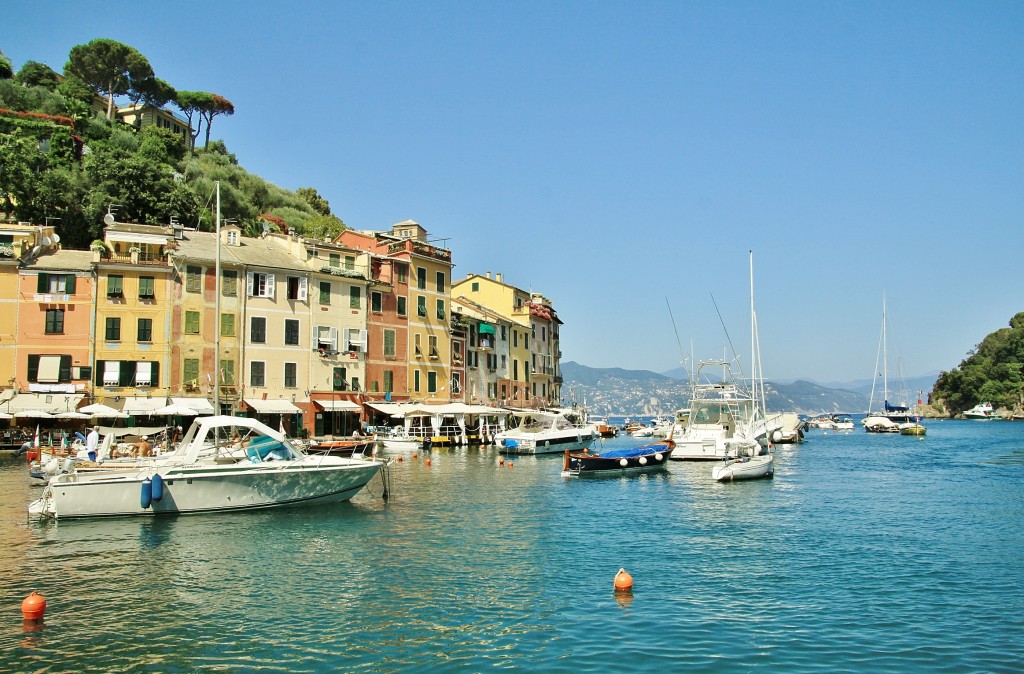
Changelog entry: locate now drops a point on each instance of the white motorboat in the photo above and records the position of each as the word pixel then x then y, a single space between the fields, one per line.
pixel 222 464
pixel 718 412
pixel 981 411
pixel 749 461
pixel 545 432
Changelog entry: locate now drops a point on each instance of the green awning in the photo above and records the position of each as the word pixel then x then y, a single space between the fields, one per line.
pixel 486 329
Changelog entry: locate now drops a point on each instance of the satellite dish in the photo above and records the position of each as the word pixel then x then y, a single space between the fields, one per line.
pixel 108 219
pixel 47 241
pixel 56 238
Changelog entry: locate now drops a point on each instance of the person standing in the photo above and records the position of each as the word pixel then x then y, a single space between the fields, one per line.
pixel 92 443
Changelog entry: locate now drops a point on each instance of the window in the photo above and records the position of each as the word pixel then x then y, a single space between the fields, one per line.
pixel 229 283
pixel 389 381
pixel 191 322
pixel 227 325
pixel 457 352
pixel 421 278
pixel 291 332
pixel 190 372
pixel 440 309
pixel 421 305
pixel 259 285
pixel 400 309
pixel 417 348
pixel 143 374
pixel 475 286
pixel 232 238
pixel 334 259
pixel 257 373
pixel 111 373
pixel 290 375
pixel 432 344
pixel 49 369
pixel 355 383
pixel 325 292
pixel 56 284
pixel 350 263
pixel 145 330
pixel 431 382
pixel 401 273
pixel 355 297
pixel 416 381
pixel 389 344
pixel 297 287
pixel 456 382
pixel 227 372
pixel 113 332
pixel 54 322
pixel 338 381
pixel 115 285
pixel 355 339
pixel 193 278
pixel 146 291
pixel 376 302
pixel 439 281
pixel 258 330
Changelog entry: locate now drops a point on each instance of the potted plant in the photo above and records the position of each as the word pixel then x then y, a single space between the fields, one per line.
pixel 135 251
pixel 99 249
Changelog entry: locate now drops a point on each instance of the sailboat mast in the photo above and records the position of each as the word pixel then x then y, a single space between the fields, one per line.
pixel 885 354
pixel 216 311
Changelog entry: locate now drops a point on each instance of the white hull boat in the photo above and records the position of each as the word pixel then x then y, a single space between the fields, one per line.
pixel 545 432
pixel 744 468
pixel 209 472
pixel 981 411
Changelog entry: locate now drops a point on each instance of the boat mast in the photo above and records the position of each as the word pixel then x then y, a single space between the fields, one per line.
pixel 885 356
pixel 216 310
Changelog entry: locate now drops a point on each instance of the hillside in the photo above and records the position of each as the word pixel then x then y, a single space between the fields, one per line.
pixel 642 392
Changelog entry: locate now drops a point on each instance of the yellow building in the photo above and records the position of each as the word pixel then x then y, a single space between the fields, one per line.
pixel 532 371
pixel 132 327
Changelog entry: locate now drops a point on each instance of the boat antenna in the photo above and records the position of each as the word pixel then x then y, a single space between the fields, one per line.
pixel 678 342
pixel 727 337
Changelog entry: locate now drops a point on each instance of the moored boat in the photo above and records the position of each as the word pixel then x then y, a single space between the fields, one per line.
pixel 223 464
pixel 982 411
pixel 646 458
pixel 544 432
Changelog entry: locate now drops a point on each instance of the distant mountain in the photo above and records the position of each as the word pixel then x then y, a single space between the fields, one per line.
pixel 642 392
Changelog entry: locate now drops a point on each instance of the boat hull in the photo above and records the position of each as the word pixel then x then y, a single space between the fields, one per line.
pixel 547 444
pixel 199 489
pixel 745 468
pixel 583 464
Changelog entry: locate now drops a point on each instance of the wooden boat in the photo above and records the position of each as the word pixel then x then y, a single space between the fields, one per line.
pixel 348 447
pixel 645 458
pixel 913 428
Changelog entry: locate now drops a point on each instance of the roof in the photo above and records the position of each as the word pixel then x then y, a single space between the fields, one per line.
pixel 68 260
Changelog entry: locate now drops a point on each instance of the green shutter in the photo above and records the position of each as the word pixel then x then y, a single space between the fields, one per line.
pixel 70 290
pixel 43 284
pixel 65 369
pixel 33 368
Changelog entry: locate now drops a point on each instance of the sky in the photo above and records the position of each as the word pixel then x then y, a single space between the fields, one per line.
pixel 622 158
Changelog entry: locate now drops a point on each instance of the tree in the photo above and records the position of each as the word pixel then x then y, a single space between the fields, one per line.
pixel 218 105
pixel 191 104
pixel 313 198
pixel 108 67
pixel 36 74
pixel 6 70
pixel 152 92
pixel 323 227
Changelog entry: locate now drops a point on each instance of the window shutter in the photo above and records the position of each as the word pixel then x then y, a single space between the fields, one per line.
pixel 33 367
pixel 362 338
pixel 98 373
pixel 70 285
pixel 65 368
pixel 270 286
pixel 43 283
pixel 127 374
pixel 303 287
pixel 334 339
pixel 155 374
pixel 249 283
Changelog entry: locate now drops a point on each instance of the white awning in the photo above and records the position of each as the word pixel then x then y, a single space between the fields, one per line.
pixel 49 369
pixel 200 405
pixel 52 403
pixel 272 406
pixel 131 237
pixel 142 406
pixel 338 405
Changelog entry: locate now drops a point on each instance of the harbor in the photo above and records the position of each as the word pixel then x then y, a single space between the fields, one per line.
pixel 865 552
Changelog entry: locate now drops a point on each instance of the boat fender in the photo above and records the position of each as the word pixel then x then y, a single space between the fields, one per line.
pixel 643 460
pixel 146 497
pixel 52 466
pixel 658 456
pixel 158 488
pixel 623 463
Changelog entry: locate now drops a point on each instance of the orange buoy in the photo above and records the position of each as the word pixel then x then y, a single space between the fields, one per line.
pixel 33 607
pixel 415 455
pixel 399 459
pixel 428 460
pixel 501 460
pixel 623 581
pixel 510 464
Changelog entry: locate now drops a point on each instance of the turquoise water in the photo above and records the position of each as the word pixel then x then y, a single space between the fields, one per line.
pixel 866 553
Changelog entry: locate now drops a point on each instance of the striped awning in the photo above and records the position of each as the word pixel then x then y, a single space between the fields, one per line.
pixel 338 405
pixel 272 406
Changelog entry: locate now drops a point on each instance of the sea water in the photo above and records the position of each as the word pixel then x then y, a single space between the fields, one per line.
pixel 865 553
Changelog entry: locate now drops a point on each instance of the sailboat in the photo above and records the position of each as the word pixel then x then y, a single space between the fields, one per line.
pixel 890 418
pixel 746 458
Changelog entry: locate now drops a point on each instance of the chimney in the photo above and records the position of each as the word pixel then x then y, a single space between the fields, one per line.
pixel 497 277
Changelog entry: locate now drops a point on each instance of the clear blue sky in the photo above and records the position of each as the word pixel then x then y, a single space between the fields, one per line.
pixel 613 155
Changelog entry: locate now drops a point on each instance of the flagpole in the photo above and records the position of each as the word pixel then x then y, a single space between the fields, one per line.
pixel 216 310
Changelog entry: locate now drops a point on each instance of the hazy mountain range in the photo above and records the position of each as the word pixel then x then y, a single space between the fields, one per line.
pixel 615 391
